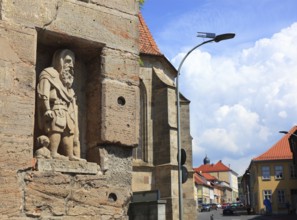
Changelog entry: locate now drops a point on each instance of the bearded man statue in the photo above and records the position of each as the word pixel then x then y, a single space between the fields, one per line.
pixel 57 109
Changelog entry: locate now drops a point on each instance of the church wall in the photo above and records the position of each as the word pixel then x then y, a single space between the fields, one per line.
pixel 142 181
pixel 186 143
pixel 160 122
pixel 158 79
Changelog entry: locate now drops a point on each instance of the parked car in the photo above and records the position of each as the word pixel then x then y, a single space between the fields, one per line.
pixel 219 205
pixel 213 206
pixel 235 207
pixel 228 210
pixel 205 207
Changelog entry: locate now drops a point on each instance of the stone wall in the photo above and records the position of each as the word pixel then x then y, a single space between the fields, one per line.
pixel 104 36
pixel 186 143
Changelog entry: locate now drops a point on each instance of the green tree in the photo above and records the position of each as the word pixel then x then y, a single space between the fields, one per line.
pixel 141 3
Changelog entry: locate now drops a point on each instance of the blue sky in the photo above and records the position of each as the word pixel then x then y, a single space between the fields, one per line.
pixel 242 91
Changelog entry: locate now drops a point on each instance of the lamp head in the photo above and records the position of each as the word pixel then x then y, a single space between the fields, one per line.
pixel 221 37
pixel 283 132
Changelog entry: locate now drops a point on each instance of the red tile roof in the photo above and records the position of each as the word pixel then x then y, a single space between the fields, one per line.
pixel 218 167
pixel 279 151
pixel 201 181
pixel 208 176
pixel 198 179
pixel 147 44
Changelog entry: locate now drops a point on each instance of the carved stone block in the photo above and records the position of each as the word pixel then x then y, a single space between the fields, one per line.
pixel 82 167
pixel 119 110
pixel 92 22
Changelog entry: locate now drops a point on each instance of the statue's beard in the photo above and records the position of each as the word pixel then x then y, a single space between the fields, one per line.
pixel 67 77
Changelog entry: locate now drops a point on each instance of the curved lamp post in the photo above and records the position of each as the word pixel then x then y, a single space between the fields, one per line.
pixel 216 39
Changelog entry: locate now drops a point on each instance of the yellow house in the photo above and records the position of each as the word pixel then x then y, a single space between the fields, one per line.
pixel 204 189
pixel 272 175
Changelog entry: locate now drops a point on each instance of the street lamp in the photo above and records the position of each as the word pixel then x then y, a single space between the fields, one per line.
pixel 247 182
pixel 293 145
pixel 286 132
pixel 214 38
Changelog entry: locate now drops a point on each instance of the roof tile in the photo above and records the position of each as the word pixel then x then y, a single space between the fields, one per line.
pixel 147 44
pixel 280 150
pixel 218 167
pixel 208 177
pixel 201 180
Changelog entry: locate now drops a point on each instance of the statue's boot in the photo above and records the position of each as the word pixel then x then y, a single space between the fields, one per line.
pixel 74 158
pixel 59 157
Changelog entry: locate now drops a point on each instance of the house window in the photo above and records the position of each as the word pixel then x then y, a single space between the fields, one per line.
pixel 267 194
pixel 278 170
pixel 293 171
pixel 281 196
pixel 265 173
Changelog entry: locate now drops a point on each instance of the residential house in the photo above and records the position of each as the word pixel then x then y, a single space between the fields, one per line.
pixel 227 193
pixel 155 166
pixel 226 177
pixel 272 175
pixel 211 190
pixel 204 192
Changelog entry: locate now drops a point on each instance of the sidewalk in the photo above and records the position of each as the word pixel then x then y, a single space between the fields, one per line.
pixel 276 217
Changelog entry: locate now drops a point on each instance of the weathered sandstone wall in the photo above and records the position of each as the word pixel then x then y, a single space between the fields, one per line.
pixel 104 36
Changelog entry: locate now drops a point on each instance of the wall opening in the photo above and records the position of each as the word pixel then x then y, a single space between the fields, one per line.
pixel 86 83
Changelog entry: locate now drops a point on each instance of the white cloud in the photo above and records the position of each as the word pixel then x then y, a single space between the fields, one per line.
pixel 239 102
pixel 282 114
pixel 239 165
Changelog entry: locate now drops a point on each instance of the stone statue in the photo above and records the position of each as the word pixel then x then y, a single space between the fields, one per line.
pixel 57 109
pixel 42 143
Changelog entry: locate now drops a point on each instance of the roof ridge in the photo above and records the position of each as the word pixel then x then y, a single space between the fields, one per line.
pixel 219 166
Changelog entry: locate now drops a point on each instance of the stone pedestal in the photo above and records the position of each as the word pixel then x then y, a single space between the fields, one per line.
pixel 76 190
pixel 77 167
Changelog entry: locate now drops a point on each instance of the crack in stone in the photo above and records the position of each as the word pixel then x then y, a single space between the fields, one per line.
pixel 22 183
pixel 58 5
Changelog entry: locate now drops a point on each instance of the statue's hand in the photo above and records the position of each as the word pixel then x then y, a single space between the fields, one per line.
pixel 49 114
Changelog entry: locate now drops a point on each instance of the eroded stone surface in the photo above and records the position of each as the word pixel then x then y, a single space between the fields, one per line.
pixel 64 195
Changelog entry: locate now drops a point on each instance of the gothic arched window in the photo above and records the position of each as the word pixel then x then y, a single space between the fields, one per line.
pixel 140 152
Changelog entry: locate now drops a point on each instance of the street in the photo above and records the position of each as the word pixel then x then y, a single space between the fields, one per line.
pixel 218 215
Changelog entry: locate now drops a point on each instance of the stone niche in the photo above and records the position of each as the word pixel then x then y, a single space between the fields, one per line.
pixel 87 85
